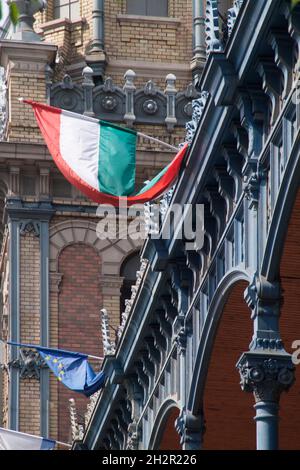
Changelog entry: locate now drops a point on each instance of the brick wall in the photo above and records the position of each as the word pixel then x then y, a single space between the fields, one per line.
pixel 228 410
pixel 290 328
pixel 22 124
pixel 170 439
pixel 78 318
pixel 153 41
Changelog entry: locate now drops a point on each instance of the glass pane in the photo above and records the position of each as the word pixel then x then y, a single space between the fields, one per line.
pixel 136 7
pixel 60 3
pixel 157 8
pixel 75 10
pixel 62 12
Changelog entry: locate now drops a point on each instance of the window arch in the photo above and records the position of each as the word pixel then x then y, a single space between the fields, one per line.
pixel 147 7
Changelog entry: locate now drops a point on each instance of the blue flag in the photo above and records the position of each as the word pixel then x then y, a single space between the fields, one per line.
pixel 71 368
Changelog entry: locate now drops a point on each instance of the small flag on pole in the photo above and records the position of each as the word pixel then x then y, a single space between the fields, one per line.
pixel 99 158
pixel 71 368
pixel 13 440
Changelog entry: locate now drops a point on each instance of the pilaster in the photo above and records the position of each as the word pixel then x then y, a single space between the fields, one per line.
pixel 28 228
pixel 25 64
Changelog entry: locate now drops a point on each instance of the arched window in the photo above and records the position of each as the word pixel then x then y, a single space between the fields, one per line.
pixel 128 271
pixel 147 7
pixel 67 9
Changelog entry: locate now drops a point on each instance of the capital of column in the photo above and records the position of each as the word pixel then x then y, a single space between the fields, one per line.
pixel 266 375
pixel 191 429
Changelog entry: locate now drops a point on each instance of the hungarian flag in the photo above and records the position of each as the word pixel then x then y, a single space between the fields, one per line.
pixel 98 157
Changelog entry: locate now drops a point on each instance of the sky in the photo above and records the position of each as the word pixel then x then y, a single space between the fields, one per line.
pixel 4 11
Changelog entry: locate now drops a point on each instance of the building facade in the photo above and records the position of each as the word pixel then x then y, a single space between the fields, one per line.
pixel 133 63
pixel 205 359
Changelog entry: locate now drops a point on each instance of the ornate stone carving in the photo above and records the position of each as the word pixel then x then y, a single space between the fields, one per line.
pixel 212 29
pixel 191 430
pixel 55 282
pixel 133 436
pixel 251 189
pixel 129 89
pixel 109 102
pixel 264 299
pixel 170 92
pixel 68 95
pixel 181 340
pixel 266 376
pixel 88 86
pixel 30 226
pixel 29 363
pixel 91 406
pixel 198 106
pixel 134 290
pixel 232 15
pixel 184 107
pixel 150 106
pixel 76 428
pixel 108 86
pixel 108 344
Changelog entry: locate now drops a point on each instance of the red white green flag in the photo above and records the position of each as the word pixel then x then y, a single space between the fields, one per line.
pixel 99 158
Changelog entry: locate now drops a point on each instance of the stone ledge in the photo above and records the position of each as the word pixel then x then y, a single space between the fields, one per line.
pixel 122 19
pixel 60 23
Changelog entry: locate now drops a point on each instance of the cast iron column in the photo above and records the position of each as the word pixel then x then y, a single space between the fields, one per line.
pixel 266 369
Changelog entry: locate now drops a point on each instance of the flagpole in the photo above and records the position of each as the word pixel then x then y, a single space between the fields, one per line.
pixel 153 139
pixel 63 444
pixel 34 346
pixel 96 357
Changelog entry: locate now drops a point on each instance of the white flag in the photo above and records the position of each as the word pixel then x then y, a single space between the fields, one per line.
pixel 13 440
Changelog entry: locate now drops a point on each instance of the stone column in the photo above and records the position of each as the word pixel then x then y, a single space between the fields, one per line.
pixel 266 369
pixel 95 56
pixel 199 45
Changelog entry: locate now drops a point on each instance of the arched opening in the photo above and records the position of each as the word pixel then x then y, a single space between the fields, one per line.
pixel 128 270
pixel 170 437
pixel 164 435
pixel 228 410
pixel 289 424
